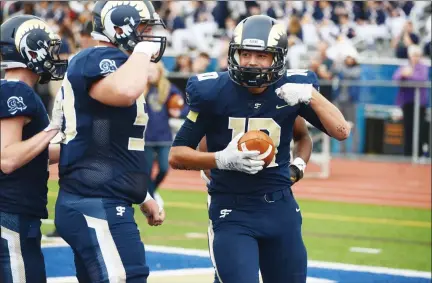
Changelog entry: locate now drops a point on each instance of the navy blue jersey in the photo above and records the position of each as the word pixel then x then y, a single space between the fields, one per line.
pixel 103 154
pixel 220 109
pixel 25 190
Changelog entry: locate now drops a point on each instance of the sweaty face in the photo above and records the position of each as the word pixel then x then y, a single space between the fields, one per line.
pixel 255 59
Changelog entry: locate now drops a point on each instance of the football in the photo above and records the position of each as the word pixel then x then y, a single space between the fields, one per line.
pixel 258 140
pixel 176 101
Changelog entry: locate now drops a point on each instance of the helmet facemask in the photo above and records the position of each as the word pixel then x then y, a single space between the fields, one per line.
pixel 53 67
pixel 136 36
pixel 256 76
pixel 42 57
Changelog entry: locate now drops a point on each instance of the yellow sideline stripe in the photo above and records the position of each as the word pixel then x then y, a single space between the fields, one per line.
pixel 323 216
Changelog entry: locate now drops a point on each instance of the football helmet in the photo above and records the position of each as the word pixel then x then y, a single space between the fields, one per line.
pixel 127 16
pixel 258 33
pixel 28 42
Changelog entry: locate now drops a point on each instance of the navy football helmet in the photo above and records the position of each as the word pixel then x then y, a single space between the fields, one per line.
pixel 126 15
pixel 28 42
pixel 258 33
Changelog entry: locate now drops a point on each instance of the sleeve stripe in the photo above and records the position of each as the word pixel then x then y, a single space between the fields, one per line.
pixel 192 116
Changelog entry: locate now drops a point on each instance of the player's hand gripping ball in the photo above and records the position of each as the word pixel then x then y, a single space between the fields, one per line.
pixel 258 140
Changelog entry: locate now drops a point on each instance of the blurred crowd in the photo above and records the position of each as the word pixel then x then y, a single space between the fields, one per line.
pixel 199 30
pixel 327 37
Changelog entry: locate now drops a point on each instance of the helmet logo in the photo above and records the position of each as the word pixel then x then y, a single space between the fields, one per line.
pixel 16 103
pixel 34 51
pixel 238 33
pixel 277 31
pixel 111 18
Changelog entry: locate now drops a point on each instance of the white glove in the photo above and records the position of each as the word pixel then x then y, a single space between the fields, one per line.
pixel 294 94
pixel 56 114
pixel 148 47
pixel 233 159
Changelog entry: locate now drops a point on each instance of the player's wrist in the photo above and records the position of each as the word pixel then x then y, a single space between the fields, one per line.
pixel 219 160
pixel 300 163
pixel 147 198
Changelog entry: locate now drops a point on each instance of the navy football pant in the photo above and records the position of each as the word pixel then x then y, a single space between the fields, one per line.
pixel 104 238
pixel 21 258
pixel 248 234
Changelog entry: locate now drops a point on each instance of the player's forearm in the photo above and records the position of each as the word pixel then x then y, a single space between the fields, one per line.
pixel 303 148
pixel 19 154
pixel 125 85
pixel 134 72
pixel 54 153
pixel 186 158
pixel 330 116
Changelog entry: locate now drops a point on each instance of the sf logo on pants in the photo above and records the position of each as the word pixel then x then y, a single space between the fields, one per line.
pixel 224 212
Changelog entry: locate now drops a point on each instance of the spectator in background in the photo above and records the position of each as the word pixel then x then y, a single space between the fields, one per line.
pixel 295 28
pixel 183 64
pixel 296 48
pixel 201 64
pixel 158 136
pixel 396 19
pixel 418 72
pixel 348 97
pixel 402 42
pixel 323 66
pixel 428 46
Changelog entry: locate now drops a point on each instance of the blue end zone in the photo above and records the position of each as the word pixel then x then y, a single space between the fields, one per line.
pixel 59 263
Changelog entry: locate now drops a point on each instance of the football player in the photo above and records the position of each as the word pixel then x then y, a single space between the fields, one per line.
pixel 29 55
pixel 102 162
pixel 255 222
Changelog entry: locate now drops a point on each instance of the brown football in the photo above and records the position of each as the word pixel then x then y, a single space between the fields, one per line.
pixel 176 101
pixel 258 140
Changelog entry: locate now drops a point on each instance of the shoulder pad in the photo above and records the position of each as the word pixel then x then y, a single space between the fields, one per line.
pixel 202 90
pixel 301 76
pixel 17 99
pixel 98 62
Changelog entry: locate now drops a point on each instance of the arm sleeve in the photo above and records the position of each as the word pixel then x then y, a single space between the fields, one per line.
pixel 194 99
pixel 195 126
pixel 101 63
pixel 16 99
pixel 314 80
pixel 309 114
pixel 191 133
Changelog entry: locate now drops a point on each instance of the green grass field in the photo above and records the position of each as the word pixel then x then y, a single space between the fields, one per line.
pixel 330 229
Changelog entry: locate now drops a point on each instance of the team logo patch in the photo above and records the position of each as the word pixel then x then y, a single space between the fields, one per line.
pixel 107 66
pixel 16 104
